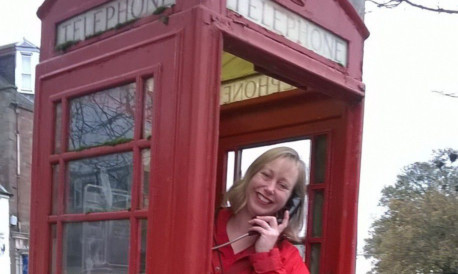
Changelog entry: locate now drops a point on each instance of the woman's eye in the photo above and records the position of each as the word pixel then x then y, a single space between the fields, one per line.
pixel 284 186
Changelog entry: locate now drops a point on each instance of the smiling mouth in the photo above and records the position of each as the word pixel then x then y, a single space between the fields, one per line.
pixel 263 199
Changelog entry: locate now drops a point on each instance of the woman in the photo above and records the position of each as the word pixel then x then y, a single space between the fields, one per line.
pixel 272 179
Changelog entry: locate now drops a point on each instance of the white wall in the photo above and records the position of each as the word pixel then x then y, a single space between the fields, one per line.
pixel 4 234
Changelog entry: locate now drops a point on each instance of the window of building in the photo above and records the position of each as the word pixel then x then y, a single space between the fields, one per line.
pixel 26 73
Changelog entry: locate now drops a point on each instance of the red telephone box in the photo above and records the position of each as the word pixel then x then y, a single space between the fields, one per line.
pixel 145 110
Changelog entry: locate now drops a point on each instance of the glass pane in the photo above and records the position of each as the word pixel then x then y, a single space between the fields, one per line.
pixel 250 154
pixel 55 188
pixel 58 128
pixel 96 247
pixel 315 259
pixel 26 64
pixel 230 169
pixel 301 249
pixel 26 81
pixel 99 184
pixel 143 227
pixel 303 148
pixel 102 118
pixel 148 109
pixel 53 261
pixel 146 160
pixel 317 214
pixel 320 159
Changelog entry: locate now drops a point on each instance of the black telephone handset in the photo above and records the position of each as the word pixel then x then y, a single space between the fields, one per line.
pixel 292 206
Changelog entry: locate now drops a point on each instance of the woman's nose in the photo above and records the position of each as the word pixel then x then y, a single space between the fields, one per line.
pixel 270 186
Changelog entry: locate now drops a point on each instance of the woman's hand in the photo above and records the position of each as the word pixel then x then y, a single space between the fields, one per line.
pixel 269 231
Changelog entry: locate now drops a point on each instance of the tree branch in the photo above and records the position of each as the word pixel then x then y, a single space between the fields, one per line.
pixel 394 3
pixel 453 95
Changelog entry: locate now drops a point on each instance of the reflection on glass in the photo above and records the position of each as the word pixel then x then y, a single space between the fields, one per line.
pixel 55 187
pixel 102 118
pixel 53 249
pixel 320 159
pixel 143 225
pixel 146 160
pixel 99 184
pixel 96 247
pixel 317 214
pixel 315 259
pixel 148 108
pixel 57 128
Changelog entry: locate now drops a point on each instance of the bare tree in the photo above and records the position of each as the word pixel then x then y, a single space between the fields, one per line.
pixel 424 5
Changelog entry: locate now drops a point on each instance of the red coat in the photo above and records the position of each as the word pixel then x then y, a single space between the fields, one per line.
pixel 282 259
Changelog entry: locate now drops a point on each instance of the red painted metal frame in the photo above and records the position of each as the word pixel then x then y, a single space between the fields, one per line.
pixel 296 115
pixel 185 138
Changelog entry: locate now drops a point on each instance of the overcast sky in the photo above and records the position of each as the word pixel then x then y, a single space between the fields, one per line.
pixel 409 54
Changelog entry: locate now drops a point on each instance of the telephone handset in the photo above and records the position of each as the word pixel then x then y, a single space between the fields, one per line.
pixel 292 206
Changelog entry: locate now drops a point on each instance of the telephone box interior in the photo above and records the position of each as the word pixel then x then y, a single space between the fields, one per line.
pixel 147 111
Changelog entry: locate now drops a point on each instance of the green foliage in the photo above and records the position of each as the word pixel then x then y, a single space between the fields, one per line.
pixel 418 233
pixel 65 46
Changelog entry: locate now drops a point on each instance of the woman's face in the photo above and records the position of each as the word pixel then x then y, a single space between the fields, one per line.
pixel 270 188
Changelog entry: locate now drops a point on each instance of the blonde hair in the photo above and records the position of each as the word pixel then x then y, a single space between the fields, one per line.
pixel 236 196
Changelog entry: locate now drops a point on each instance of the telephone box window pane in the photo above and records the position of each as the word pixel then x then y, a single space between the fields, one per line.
pixel 230 169
pixel 250 154
pixel 96 247
pixel 102 118
pixel 53 261
pixel 143 227
pixel 320 159
pixel 317 214
pixel 148 108
pixel 58 128
pixel 146 160
pixel 315 259
pixel 55 187
pixel 100 183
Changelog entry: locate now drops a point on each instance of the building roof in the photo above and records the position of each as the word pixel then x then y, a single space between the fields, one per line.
pixel 5 84
pixel 24 45
pixel 4 192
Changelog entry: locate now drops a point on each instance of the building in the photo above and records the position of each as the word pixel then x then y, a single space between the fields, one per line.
pixel 17 78
pixel 5 259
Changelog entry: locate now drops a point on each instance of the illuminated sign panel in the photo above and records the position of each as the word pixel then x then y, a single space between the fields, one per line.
pixel 251 87
pixel 108 16
pixel 278 19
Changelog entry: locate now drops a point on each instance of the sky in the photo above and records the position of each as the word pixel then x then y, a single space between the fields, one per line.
pixel 409 54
